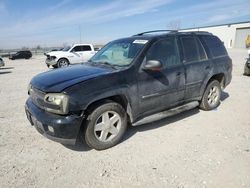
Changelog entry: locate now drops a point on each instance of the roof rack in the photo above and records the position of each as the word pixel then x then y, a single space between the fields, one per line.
pixel 156 31
pixel 197 32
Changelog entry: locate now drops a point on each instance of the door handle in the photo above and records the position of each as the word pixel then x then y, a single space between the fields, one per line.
pixel 178 74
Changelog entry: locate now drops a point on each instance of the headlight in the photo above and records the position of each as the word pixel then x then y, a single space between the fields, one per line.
pixel 56 103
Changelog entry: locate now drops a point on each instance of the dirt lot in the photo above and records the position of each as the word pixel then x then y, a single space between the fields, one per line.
pixel 193 149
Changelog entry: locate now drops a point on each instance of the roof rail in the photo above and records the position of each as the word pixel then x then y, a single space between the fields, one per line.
pixel 200 31
pixel 155 31
pixel 205 32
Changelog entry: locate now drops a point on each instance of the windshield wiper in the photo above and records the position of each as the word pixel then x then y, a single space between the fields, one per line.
pixel 105 63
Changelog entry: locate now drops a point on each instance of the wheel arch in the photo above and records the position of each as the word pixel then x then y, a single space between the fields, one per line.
pixel 220 77
pixel 63 58
pixel 119 98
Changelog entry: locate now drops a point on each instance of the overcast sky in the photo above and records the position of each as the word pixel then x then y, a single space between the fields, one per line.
pixel 57 22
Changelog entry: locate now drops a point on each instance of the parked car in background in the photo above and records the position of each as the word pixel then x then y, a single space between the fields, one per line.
pixel 78 53
pixel 1 62
pixel 247 65
pixel 248 41
pixel 25 54
pixel 131 80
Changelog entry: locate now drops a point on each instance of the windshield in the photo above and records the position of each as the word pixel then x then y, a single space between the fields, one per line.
pixel 119 53
pixel 65 49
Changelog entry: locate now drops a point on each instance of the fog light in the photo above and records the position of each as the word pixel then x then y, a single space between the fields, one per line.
pixel 38 124
pixel 51 129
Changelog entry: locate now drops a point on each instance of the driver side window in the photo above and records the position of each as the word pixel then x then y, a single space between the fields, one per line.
pixel 76 49
pixel 165 51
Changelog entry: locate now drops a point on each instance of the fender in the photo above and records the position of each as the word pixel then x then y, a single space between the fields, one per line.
pixel 109 93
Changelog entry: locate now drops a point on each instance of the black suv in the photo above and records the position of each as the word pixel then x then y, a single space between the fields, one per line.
pixel 247 65
pixel 130 80
pixel 21 55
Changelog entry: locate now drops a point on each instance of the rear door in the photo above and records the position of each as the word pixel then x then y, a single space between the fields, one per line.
pixel 166 87
pixel 87 52
pixel 197 65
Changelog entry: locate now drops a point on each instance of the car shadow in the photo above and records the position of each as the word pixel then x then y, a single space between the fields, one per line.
pixel 6 72
pixel 79 146
pixel 132 130
pixel 5 68
pixel 224 95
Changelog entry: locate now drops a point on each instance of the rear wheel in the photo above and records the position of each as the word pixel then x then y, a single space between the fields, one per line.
pixel 63 62
pixel 105 126
pixel 211 96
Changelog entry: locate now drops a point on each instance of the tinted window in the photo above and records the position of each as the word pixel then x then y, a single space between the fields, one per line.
pixel 189 49
pixel 215 45
pixel 202 53
pixel 165 52
pixel 86 48
pixel 77 49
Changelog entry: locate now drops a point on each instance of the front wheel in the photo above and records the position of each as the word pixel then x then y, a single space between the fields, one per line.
pixel 211 96
pixel 63 63
pixel 105 126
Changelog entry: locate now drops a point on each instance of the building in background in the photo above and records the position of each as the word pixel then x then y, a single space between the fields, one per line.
pixel 234 35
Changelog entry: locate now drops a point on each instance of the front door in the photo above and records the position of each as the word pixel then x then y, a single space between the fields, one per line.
pixel 76 54
pixel 163 88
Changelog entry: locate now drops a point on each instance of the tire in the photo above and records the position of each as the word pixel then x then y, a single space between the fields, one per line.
pixel 99 135
pixel 211 96
pixel 62 62
pixel 246 70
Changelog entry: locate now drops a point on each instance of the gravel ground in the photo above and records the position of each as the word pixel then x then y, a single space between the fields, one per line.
pixel 192 149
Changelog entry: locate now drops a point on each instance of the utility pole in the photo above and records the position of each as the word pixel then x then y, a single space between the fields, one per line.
pixel 80 33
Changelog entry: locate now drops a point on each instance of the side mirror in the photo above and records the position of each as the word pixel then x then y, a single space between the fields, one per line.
pixel 153 65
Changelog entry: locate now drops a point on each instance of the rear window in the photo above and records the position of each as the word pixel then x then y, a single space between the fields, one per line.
pixel 215 45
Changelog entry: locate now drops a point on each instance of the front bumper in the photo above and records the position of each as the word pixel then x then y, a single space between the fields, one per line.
pixel 51 62
pixel 63 129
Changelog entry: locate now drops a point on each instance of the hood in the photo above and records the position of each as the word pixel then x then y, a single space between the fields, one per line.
pixel 59 79
pixel 55 53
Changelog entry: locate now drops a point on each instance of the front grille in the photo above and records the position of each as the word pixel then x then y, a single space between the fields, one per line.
pixel 37 97
pixel 48 57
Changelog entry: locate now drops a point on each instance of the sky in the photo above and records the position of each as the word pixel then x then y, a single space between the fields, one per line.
pixel 51 23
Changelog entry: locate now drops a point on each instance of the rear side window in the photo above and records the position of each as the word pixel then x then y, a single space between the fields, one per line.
pixel 201 50
pixel 86 48
pixel 215 45
pixel 190 51
pixel 82 48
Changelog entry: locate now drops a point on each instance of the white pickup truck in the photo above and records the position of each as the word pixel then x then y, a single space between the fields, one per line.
pixel 77 53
